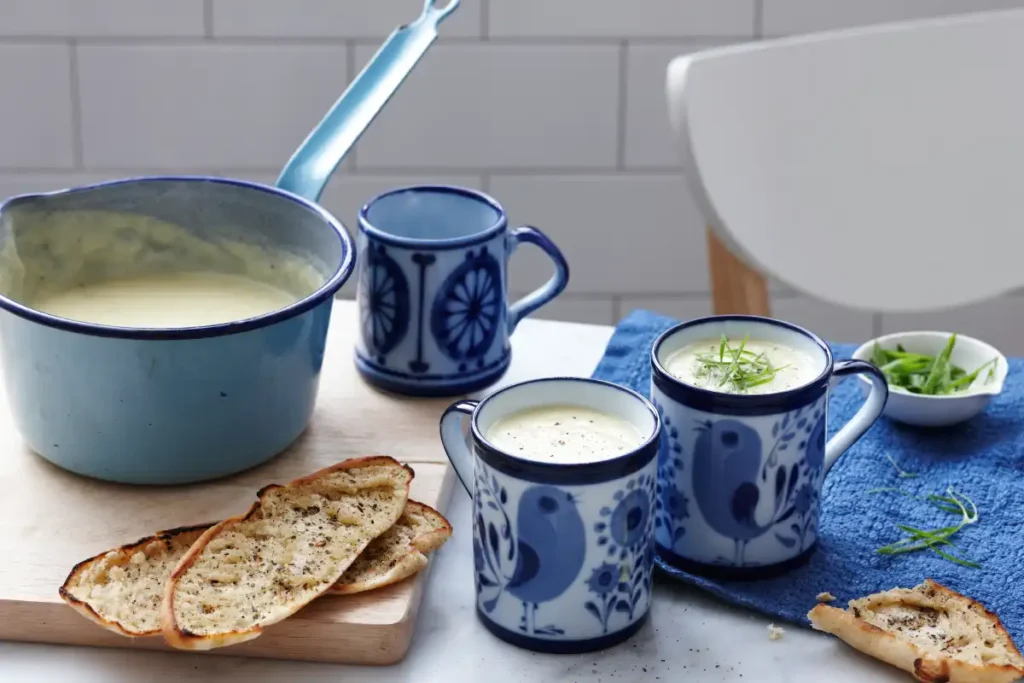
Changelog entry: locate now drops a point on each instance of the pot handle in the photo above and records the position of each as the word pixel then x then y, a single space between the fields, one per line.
pixel 454 441
pixel 312 164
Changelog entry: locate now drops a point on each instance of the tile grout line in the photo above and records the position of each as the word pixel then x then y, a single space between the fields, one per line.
pixel 77 144
pixel 367 40
pixel 620 141
pixel 208 19
pixel 608 172
pixel 485 21
pixel 876 324
pixel 758 19
pixel 691 296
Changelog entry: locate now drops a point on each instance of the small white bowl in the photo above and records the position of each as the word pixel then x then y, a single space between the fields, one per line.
pixel 939 411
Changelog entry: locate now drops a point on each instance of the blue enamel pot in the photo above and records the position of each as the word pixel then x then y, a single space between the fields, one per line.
pixel 185 404
pixel 164 406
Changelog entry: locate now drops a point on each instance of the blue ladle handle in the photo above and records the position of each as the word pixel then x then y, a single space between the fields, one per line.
pixel 309 169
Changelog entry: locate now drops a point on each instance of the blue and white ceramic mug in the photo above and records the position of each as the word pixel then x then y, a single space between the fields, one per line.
pixel 563 553
pixel 740 475
pixel 433 290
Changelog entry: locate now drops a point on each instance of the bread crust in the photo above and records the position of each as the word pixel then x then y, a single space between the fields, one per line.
pixel 926 664
pixel 412 562
pixel 181 638
pixel 87 610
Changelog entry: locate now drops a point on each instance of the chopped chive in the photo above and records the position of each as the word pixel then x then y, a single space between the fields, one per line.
pixel 738 367
pixel 928 375
pixel 903 474
pixel 931 539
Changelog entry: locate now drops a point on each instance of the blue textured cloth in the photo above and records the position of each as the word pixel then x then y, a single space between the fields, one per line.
pixel 982 458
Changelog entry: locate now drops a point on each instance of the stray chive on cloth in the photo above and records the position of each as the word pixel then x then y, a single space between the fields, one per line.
pixel 982 459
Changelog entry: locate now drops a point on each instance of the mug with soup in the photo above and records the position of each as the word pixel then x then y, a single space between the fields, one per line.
pixel 562 475
pixel 744 453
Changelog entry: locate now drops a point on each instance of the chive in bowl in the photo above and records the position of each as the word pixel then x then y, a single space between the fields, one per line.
pixel 940 410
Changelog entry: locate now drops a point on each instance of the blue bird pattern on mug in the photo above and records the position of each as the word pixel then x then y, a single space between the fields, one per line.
pixel 731 474
pixel 540 562
pixel 543 554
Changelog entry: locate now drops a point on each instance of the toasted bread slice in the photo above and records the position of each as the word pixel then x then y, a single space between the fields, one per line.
pixel 254 570
pixel 934 633
pixel 122 589
pixel 397 554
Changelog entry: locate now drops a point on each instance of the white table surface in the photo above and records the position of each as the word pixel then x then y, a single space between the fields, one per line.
pixel 689 636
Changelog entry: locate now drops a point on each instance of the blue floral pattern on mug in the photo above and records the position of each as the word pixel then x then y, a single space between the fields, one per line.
pixel 797 508
pixel 672 505
pixel 468 309
pixel 625 530
pixel 384 306
pixel 494 551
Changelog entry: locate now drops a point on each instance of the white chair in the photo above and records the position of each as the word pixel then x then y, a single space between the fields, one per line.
pixel 879 168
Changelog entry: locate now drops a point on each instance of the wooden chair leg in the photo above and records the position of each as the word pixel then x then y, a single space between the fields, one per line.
pixel 735 287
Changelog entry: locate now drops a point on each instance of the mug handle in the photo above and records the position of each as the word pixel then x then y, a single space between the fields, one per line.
pixel 865 417
pixel 454 441
pixel 550 289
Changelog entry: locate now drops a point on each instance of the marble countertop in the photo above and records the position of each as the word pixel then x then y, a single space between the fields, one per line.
pixel 689 634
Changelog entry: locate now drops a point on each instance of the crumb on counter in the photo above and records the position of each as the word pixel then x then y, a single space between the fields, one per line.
pixel 775 632
pixel 826 597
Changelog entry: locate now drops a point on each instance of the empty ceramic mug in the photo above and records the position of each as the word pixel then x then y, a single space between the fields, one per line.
pixel 432 290
pixel 740 474
pixel 561 545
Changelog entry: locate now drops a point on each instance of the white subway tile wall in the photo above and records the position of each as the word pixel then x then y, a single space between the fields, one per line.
pixel 37 129
pixel 801 16
pixel 619 232
pixel 174 107
pixel 109 18
pixel 556 107
pixel 648 142
pixel 622 19
pixel 480 105
pixel 330 18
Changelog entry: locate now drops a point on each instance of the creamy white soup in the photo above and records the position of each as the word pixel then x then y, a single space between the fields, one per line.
pixel 742 367
pixel 169 300
pixel 564 434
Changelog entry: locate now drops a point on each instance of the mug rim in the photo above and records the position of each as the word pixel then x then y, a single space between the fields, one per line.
pixel 738 404
pixel 537 471
pixel 324 292
pixel 499 225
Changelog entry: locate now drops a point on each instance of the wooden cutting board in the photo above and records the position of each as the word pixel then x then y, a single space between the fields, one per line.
pixel 51 519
